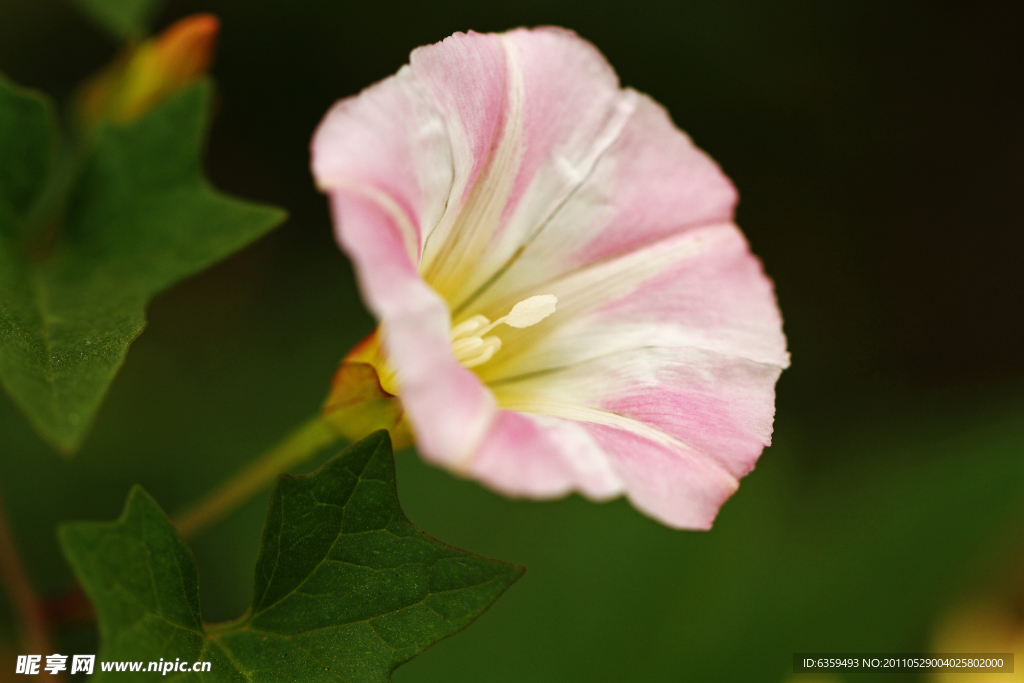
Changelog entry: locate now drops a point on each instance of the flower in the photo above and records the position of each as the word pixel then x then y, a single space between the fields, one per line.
pixel 635 341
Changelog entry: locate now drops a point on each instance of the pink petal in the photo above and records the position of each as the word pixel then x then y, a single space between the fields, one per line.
pixel 385 159
pixel 449 408
pixel 606 454
pixel 464 77
pixel 682 337
pixel 540 456
pixel 723 407
pixel 650 184
pixel 661 185
pixel 559 106
pixel 721 301
pixel 701 289
pixel 719 406
pixel 389 143
pixel 681 492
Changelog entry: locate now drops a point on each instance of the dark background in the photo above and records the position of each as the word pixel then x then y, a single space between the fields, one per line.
pixel 879 152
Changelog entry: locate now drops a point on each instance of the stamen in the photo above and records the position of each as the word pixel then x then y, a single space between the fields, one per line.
pixel 489 348
pixel 467 326
pixel 471 348
pixel 463 346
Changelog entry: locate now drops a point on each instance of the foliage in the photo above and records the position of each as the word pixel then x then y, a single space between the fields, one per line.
pixel 346 587
pixel 76 275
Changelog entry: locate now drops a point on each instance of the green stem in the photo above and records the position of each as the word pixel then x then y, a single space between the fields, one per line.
pixel 302 444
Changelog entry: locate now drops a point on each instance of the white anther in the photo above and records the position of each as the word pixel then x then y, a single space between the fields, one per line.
pixel 488 348
pixel 462 347
pixel 468 326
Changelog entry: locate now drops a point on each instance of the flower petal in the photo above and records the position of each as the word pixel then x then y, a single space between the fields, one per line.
pixel 386 160
pixel 449 407
pixel 673 351
pixel 671 481
pixel 650 184
pixel 681 492
pixel 390 144
pixel 529 113
pixel 702 289
pixel 540 456
pixel 719 407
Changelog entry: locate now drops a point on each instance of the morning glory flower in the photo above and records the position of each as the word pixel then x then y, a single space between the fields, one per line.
pixel 564 301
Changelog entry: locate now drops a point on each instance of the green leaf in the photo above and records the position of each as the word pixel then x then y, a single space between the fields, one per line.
pixel 26 144
pixel 140 218
pixel 122 18
pixel 346 589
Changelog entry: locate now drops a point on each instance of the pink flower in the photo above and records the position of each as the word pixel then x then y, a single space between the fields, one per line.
pixel 509 175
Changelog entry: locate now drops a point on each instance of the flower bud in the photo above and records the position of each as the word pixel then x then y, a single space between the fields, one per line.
pixel 357 405
pixel 151 71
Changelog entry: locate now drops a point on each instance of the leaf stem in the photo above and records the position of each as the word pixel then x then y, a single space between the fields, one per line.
pixel 35 633
pixel 311 437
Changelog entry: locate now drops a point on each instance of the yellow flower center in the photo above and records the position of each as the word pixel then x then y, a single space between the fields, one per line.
pixel 471 345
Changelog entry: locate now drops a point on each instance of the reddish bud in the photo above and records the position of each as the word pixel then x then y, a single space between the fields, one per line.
pixel 358 405
pixel 151 71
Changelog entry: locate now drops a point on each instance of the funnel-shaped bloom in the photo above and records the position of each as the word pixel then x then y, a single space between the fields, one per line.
pixel 565 303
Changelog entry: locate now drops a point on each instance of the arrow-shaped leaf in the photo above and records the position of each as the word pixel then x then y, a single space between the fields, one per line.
pixel 74 284
pixel 347 589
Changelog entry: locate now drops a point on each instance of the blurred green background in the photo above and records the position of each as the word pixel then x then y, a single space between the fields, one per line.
pixel 879 152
